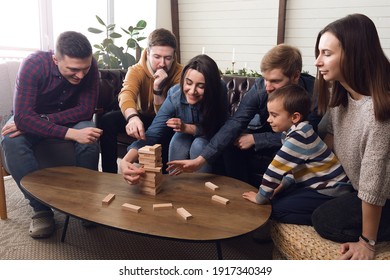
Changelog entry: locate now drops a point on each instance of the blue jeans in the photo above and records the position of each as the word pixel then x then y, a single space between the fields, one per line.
pixel 20 158
pixel 186 146
pixel 340 219
pixel 295 205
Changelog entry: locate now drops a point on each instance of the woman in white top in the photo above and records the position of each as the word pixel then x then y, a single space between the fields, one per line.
pixel 354 84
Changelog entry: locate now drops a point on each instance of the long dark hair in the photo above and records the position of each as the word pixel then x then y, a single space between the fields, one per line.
pixel 213 104
pixel 363 65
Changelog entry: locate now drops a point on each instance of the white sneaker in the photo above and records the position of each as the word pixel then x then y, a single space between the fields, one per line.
pixel 42 224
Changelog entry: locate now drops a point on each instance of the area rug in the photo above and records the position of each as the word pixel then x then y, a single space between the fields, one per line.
pixel 102 243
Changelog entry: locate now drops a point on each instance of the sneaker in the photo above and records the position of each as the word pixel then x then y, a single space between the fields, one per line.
pixel 42 224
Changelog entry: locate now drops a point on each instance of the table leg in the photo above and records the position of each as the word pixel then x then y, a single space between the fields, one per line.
pixel 219 249
pixel 65 228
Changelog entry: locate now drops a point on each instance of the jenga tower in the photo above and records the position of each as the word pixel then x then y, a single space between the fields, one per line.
pixel 150 158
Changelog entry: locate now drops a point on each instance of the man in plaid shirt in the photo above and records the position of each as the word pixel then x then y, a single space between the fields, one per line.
pixel 55 97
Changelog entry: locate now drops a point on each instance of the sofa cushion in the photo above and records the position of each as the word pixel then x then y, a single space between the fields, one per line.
pixel 8 72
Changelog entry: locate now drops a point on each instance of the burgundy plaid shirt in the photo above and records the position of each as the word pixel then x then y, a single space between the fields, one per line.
pixel 40 89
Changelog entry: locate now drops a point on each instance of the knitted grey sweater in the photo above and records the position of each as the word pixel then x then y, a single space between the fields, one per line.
pixel 362 145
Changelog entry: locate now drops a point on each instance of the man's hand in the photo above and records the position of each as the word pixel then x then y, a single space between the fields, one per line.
pixel 135 128
pixel 86 135
pixel 245 141
pixel 10 128
pixel 159 77
pixel 177 167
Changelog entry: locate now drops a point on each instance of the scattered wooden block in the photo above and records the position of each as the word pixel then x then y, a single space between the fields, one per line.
pixel 211 186
pixel 131 207
pixel 162 206
pixel 107 200
pixel 220 199
pixel 184 213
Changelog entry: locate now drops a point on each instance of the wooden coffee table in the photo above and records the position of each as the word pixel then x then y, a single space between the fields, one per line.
pixel 79 192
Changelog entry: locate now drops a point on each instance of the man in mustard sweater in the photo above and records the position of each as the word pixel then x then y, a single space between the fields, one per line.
pixel 144 90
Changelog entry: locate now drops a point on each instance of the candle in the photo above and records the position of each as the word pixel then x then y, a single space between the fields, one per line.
pixel 202 50
pixel 245 66
pixel 233 55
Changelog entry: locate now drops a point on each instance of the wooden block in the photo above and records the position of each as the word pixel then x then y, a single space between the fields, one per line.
pixel 107 200
pixel 151 164
pixel 184 213
pixel 162 206
pixel 148 153
pixel 152 169
pixel 131 207
pixel 211 186
pixel 156 147
pixel 145 150
pixel 148 184
pixel 150 191
pixel 152 176
pixel 220 199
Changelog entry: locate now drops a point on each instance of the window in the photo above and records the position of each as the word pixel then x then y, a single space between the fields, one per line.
pixel 30 25
pixel 20 33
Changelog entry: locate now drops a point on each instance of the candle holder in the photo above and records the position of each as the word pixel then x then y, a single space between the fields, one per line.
pixel 233 62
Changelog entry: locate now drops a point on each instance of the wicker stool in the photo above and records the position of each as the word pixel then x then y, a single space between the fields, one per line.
pixel 297 242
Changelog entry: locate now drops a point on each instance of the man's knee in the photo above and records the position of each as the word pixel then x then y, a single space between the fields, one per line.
pixel 110 120
pixel 84 124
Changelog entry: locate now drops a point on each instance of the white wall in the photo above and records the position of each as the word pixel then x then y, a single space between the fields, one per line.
pixel 250 26
pixel 163 14
pixel 304 19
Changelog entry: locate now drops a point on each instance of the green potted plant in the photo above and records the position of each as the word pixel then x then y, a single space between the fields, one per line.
pixel 109 55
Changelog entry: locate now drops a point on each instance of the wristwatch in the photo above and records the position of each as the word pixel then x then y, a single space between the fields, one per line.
pixel 368 241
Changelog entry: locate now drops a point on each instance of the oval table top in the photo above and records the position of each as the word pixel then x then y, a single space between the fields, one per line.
pixel 79 192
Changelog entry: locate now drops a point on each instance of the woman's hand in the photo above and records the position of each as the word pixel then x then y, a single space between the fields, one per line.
pixel 176 167
pixel 176 124
pixel 356 251
pixel 131 172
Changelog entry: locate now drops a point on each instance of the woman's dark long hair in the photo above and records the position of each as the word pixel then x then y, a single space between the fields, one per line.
pixel 213 104
pixel 363 65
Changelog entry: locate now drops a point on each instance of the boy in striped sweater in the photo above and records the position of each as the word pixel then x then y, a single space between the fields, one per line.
pixel 304 162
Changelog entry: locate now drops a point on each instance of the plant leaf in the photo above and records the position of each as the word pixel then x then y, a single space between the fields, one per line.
pixel 117 51
pixel 94 30
pixel 115 35
pixel 131 43
pixel 111 26
pixel 141 24
pixel 141 38
pixel 100 21
pixel 127 60
pixel 124 30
